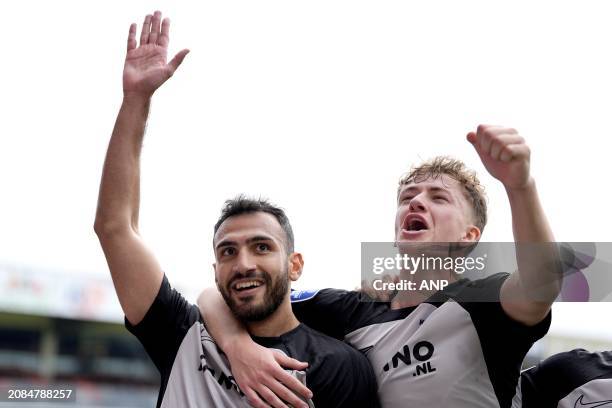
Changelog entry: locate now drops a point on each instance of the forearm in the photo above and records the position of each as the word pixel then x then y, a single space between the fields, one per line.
pixel 119 196
pixel 257 370
pixel 220 321
pixel 136 274
pixel 536 252
pixel 529 222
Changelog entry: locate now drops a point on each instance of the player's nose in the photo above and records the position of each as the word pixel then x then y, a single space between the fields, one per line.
pixel 243 263
pixel 416 204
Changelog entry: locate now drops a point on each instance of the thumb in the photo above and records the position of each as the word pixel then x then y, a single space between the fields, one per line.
pixel 177 60
pixel 471 137
pixel 288 362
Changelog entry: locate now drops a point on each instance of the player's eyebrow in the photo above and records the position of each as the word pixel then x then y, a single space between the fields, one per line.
pixel 434 189
pixel 225 243
pixel 257 238
pixel 410 189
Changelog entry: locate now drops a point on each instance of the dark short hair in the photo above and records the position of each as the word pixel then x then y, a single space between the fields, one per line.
pixel 244 205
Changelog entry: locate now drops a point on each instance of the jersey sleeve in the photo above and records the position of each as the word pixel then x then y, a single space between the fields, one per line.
pixel 504 341
pixel 164 326
pixel 335 312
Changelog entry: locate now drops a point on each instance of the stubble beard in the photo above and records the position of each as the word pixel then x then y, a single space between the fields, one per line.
pixel 272 299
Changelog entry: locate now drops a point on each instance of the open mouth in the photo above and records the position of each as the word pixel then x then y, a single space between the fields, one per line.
pixel 415 224
pixel 247 286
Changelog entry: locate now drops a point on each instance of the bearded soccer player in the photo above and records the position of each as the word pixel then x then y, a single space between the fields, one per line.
pixel 255 260
pixel 471 351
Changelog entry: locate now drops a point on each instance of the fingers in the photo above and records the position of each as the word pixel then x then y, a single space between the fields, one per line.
pixel 146 30
pixel 155 27
pixel 285 394
pixel 387 295
pixel 271 398
pixel 487 134
pixel 177 60
pixel 154 30
pixel 131 41
pixel 164 37
pixel 290 363
pixel 281 386
pixel 515 152
pixel 472 137
pixel 287 385
pixel 367 289
pixel 288 380
pixel 499 144
pixel 495 142
pixel 254 399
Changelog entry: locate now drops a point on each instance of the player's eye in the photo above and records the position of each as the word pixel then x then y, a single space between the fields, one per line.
pixel 261 247
pixel 228 251
pixel 441 198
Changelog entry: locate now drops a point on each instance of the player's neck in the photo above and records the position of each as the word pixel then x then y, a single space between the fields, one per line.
pixel 277 324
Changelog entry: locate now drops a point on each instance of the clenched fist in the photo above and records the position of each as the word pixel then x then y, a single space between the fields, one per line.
pixel 504 154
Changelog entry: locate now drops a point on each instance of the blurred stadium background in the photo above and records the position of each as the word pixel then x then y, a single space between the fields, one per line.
pixel 65 329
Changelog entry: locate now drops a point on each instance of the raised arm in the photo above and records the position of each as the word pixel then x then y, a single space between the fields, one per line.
pixel 135 272
pixel 526 296
pixel 257 370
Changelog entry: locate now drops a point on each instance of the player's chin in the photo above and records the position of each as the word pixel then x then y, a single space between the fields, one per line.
pixel 414 236
pixel 250 309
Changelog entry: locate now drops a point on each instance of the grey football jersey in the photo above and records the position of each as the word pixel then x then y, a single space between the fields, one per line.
pixel 195 372
pixel 210 382
pixel 445 352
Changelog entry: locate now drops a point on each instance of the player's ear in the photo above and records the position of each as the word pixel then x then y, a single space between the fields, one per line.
pixel 472 234
pixel 217 284
pixel 214 265
pixel 296 264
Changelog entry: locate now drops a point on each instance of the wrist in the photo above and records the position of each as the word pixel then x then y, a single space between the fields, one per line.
pixel 133 97
pixel 529 187
pixel 237 342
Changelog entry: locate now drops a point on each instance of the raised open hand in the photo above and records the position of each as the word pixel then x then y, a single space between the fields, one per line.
pixel 145 66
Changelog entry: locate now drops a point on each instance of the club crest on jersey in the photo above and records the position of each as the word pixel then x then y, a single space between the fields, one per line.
pixel 302 295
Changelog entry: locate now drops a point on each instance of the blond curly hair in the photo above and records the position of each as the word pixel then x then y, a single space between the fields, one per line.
pixel 474 191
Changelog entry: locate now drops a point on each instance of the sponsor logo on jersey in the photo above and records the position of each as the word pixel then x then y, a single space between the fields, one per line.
pixel 302 295
pixel 419 354
pixel 226 381
pixel 594 404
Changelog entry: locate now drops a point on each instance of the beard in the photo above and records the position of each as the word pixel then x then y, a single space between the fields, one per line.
pixel 275 293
